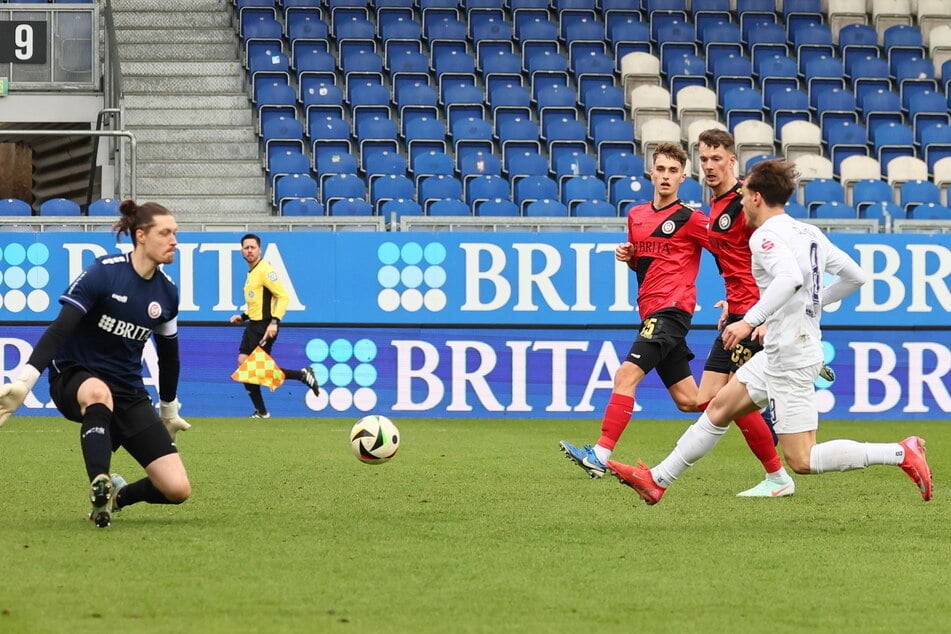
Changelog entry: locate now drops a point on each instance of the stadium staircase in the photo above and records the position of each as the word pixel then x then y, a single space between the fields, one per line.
pixel 186 104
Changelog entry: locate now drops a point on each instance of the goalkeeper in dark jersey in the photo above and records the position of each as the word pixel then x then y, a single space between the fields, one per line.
pixel 94 354
pixel 266 300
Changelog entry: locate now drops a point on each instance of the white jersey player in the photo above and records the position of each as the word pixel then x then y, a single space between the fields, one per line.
pixel 790 260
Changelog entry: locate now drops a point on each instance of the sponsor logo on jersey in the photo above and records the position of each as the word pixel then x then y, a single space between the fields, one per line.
pixel 120 298
pixel 767 245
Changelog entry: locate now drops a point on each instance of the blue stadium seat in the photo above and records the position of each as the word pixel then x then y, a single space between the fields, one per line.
pixel 926 108
pixel 385 163
pixel 497 207
pixel 487 187
pixel 836 104
pixel 478 163
pixel 545 208
pixel 329 161
pixel 620 165
pixel 902 42
pixel 786 105
pixel 283 163
pixel 424 134
pixel 890 140
pixel 799 13
pixel 571 164
pixel 844 139
pixel 431 164
pixel 627 34
pixel 339 186
pixel 577 189
pixel 302 207
pixel 437 187
pixel 631 190
pixel 775 72
pixel 350 207
pixel 870 192
pixel 869 74
pixel 766 41
pixel 729 72
pixel 823 73
pixel 880 106
pixel 294 186
pixel 389 187
pixel 935 142
pixel 101 207
pixel 930 211
pixel 596 208
pixel 917 192
pixel 448 207
pixel 835 209
pixel 401 207
pixel 822 190
pixel 530 188
pixel 741 103
pixel 796 210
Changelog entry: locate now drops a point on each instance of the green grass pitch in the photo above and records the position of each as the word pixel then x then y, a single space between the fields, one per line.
pixel 475 526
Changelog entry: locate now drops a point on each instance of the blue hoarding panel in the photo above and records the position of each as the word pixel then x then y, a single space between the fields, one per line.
pixel 512 372
pixel 478 279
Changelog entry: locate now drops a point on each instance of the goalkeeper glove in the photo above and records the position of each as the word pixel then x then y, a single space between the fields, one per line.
pixel 170 418
pixel 13 394
pixel 827 373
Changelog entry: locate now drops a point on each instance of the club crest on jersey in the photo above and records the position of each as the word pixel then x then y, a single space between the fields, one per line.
pixel 724 222
pixel 155 310
pixel 668 227
pixel 272 276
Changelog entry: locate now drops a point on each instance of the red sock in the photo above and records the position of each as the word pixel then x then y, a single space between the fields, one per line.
pixel 703 406
pixel 616 417
pixel 760 440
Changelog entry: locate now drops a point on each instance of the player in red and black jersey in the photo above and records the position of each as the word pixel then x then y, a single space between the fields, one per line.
pixel 664 243
pixel 729 236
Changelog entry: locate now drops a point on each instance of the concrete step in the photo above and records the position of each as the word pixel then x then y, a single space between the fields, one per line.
pixel 182 69
pixel 187 52
pixel 205 184
pixel 217 101
pixel 209 151
pixel 169 18
pixel 217 207
pixel 200 169
pixel 148 85
pixel 174 117
pixel 196 134
pixel 175 35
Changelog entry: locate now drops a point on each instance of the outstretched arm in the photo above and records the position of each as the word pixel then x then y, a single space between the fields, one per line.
pixel 13 394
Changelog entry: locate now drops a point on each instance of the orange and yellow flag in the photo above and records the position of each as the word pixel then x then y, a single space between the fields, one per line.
pixel 259 369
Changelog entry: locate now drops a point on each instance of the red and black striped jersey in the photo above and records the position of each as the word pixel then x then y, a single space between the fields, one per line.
pixel 667 244
pixel 729 236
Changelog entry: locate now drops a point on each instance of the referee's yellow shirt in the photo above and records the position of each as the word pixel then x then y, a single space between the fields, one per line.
pixel 264 293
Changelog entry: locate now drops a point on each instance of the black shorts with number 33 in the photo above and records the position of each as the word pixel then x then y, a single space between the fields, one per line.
pixel 729 361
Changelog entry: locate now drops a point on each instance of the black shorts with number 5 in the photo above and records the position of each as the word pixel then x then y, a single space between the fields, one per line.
pixel 661 345
pixel 729 361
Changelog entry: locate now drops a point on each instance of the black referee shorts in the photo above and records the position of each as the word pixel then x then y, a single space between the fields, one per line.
pixel 251 339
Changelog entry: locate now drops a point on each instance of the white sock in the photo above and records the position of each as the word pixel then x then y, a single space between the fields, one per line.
pixel 846 455
pixel 778 476
pixel 697 441
pixel 602 453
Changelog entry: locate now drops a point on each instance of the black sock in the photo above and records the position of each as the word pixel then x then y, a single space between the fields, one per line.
pixel 96 440
pixel 296 375
pixel 141 491
pixel 254 391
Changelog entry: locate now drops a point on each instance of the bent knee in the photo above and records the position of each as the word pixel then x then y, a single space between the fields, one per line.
pixel 799 464
pixel 688 406
pixel 179 492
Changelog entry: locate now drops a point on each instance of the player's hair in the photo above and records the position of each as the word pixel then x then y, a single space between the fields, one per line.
pixel 251 236
pixel 672 150
pixel 774 180
pixel 715 138
pixel 133 216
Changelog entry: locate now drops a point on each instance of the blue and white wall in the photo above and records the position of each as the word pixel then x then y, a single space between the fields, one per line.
pixel 484 324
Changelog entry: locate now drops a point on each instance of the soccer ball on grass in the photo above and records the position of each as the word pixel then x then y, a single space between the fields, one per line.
pixel 374 439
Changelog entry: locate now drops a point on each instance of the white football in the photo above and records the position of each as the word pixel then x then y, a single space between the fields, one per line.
pixel 374 439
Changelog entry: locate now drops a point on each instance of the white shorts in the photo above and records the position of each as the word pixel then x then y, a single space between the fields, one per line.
pixel 790 394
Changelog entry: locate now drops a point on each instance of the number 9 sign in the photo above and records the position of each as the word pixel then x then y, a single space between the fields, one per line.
pixel 22 42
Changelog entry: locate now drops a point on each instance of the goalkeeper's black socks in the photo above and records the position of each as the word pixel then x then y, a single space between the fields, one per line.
pixel 96 439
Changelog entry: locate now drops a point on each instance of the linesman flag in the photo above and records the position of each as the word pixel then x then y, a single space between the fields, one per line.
pixel 259 369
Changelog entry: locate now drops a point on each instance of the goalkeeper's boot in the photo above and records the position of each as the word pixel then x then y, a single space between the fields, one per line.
pixel 100 494
pixel 916 465
pixel 257 414
pixel 310 380
pixel 770 489
pixel 584 458
pixel 638 478
pixel 118 482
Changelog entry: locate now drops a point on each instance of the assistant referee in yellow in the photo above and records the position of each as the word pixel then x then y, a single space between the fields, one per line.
pixel 266 300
